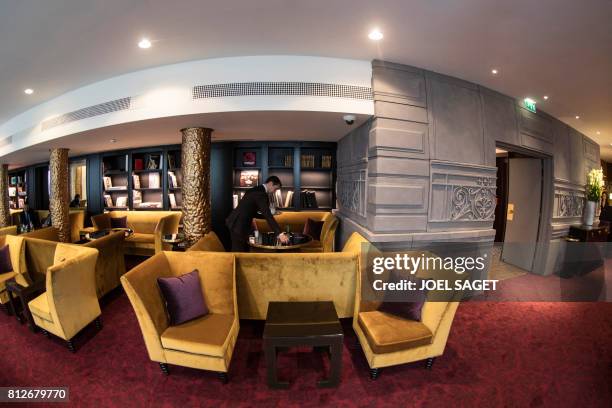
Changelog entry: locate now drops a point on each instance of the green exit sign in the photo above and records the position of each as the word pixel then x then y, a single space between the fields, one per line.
pixel 529 104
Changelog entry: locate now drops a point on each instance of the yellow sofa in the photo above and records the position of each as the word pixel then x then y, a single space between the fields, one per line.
pixel 204 343
pixel 149 228
pixel 389 340
pixel 110 265
pixel 296 220
pixel 10 230
pixel 70 302
pixel 17 254
pixel 75 217
pixel 265 277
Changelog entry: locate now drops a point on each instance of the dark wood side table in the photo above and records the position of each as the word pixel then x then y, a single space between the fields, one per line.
pixel 292 324
pixel 595 233
pixel 25 294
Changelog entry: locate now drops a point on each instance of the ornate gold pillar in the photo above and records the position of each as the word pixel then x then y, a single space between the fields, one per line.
pixel 195 166
pixel 59 198
pixel 5 214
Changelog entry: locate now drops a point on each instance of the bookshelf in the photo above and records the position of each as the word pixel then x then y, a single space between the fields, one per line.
pixel 17 189
pixel 175 180
pixel 307 171
pixel 115 181
pixel 147 187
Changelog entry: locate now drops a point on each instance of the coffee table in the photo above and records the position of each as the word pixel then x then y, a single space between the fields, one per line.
pixel 292 324
pixel 305 240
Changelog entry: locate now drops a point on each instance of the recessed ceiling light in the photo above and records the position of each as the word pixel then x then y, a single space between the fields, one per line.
pixel 113 140
pixel 545 97
pixel 598 132
pixel 144 43
pixel 494 71
pixel 577 116
pixel 28 91
pixel 375 35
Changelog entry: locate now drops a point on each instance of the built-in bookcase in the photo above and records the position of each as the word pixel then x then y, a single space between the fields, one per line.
pixel 147 181
pixel 115 181
pixel 17 189
pixel 307 172
pixel 175 180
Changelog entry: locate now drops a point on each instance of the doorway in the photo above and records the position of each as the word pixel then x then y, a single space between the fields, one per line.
pixel 518 213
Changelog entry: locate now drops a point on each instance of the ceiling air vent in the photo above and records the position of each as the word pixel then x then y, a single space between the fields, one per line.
pixel 89 112
pixel 282 89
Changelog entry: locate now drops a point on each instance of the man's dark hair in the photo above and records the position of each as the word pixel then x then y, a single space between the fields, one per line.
pixel 275 180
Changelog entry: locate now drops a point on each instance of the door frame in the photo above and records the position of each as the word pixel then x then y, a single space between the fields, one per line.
pixel 546 203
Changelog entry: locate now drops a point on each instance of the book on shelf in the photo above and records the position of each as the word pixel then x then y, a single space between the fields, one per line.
pixel 121 201
pixel 278 198
pixel 136 181
pixel 150 204
pixel 21 202
pixel 12 191
pixel 138 164
pixel 172 182
pixel 172 199
pixel 249 158
pixel 137 198
pixel 154 180
pixel 249 178
pixel 14 180
pixel 108 183
pixel 289 199
pixel 288 160
pixel 108 201
pixel 307 161
pixel 309 199
pixel 326 161
pixel 235 200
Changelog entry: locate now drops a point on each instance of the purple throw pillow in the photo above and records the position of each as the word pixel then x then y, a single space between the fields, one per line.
pixel 313 228
pixel 119 222
pixel 407 305
pixel 5 260
pixel 183 297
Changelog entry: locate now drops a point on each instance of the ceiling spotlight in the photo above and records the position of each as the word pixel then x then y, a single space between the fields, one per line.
pixel 494 71
pixel 598 132
pixel 375 35
pixel 113 140
pixel 577 116
pixel 28 91
pixel 545 97
pixel 144 43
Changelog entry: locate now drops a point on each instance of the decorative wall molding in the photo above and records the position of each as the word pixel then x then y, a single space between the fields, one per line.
pixel 474 203
pixel 569 200
pixel 352 192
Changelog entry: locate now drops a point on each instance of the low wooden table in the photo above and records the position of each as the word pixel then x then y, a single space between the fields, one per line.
pixel 91 236
pixel 25 294
pixel 292 324
pixel 260 247
pixel 176 241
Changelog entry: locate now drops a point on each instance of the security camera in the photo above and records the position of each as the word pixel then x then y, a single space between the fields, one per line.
pixel 349 119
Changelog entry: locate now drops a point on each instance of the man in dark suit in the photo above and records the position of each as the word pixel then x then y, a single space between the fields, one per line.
pixel 255 200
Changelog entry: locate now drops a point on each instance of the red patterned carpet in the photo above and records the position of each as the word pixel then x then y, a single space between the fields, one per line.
pixel 498 354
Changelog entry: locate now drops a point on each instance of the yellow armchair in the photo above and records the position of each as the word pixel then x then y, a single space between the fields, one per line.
pixel 205 343
pixel 70 302
pixel 209 242
pixel 388 340
pixel 17 254
pixel 11 230
pixel 110 265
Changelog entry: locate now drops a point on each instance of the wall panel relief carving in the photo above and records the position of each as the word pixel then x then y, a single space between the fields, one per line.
pixel 474 203
pixel 352 192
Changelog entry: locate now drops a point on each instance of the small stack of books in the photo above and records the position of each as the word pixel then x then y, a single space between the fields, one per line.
pixel 326 161
pixel 307 160
pixel 308 199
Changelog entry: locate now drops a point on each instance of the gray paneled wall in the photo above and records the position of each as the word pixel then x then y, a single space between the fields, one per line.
pixel 423 169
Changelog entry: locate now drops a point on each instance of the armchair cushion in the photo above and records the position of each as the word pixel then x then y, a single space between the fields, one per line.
pixel 5 260
pixel 313 228
pixel 206 335
pixel 40 307
pixel 387 333
pixel 118 222
pixel 183 297
pixel 140 238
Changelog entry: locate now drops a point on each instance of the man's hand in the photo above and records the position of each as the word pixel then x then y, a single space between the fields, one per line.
pixel 283 238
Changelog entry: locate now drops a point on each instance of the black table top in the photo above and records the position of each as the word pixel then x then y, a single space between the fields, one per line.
pixel 301 319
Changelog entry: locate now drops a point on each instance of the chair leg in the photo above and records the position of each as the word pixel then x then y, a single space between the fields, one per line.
pixel 70 345
pixel 223 377
pixel 98 322
pixel 164 368
pixel 429 362
pixel 374 373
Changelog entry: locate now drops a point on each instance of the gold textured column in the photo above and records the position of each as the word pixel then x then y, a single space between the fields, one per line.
pixel 5 214
pixel 59 198
pixel 195 166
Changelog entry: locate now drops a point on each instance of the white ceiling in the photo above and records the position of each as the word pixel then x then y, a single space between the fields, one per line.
pixel 277 125
pixel 562 48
